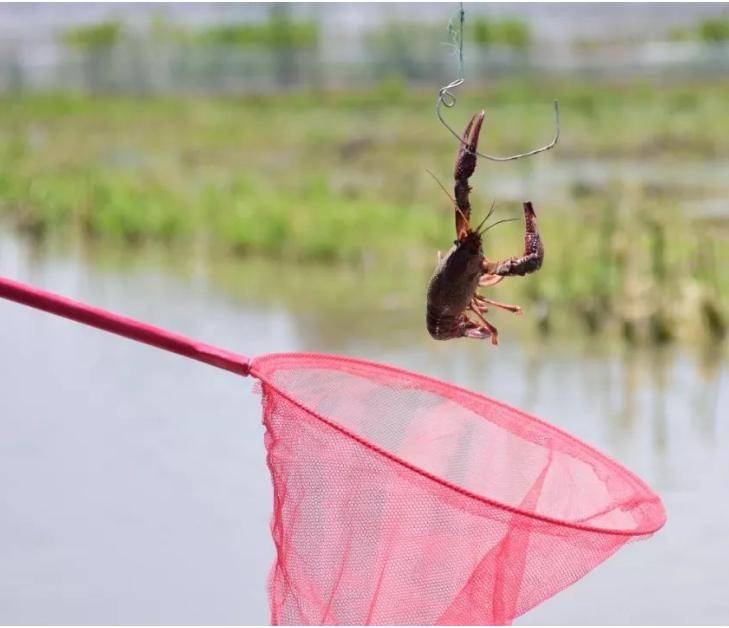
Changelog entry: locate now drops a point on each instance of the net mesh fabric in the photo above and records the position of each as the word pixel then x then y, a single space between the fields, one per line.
pixel 399 499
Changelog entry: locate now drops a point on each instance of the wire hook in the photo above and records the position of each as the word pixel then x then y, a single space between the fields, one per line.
pixel 447 98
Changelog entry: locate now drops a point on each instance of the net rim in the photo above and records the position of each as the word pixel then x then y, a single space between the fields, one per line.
pixel 638 532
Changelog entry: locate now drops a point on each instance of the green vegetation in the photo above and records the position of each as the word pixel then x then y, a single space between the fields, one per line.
pixel 714 30
pixel 101 35
pixel 340 178
pixel 509 32
pixel 277 32
pixel 273 34
pixel 711 31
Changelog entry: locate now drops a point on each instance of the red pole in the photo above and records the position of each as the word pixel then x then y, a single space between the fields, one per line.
pixel 122 326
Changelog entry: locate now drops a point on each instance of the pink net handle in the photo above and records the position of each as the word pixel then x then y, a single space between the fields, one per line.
pixel 123 326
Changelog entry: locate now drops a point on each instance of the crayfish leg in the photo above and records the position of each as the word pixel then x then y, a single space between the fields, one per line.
pixel 515 309
pixel 480 333
pixel 493 332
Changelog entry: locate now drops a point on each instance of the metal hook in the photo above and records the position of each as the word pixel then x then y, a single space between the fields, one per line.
pixel 448 99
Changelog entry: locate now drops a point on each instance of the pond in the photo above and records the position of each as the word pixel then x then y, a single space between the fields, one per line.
pixel 133 483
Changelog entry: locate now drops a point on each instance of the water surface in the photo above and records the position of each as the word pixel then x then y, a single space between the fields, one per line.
pixel 133 484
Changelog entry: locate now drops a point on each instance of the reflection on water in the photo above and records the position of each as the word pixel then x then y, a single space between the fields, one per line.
pixel 133 486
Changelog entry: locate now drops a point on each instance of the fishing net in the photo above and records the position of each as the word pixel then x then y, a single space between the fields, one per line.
pixel 400 499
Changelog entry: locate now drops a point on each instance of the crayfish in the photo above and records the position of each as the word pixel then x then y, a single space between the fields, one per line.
pixel 454 306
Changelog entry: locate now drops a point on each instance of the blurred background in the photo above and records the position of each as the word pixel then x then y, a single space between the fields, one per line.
pixel 255 176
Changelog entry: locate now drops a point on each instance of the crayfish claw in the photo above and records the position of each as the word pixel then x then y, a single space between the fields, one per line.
pixel 465 167
pixel 533 256
pixel 466 157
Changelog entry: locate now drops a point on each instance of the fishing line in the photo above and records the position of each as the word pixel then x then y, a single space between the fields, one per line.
pixel 447 98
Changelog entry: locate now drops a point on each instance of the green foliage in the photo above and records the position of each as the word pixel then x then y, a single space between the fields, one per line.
pixel 710 31
pixel 715 30
pixel 392 89
pixel 131 209
pixel 160 29
pixel 279 31
pixel 509 32
pixel 340 177
pixel 101 35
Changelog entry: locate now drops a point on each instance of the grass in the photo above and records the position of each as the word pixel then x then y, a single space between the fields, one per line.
pixel 340 178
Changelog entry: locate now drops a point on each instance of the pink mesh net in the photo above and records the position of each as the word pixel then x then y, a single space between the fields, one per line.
pixel 399 499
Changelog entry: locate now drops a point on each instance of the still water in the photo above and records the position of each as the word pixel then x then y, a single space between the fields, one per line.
pixel 133 484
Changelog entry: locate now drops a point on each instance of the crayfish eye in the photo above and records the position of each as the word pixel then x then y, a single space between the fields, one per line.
pixel 455 242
